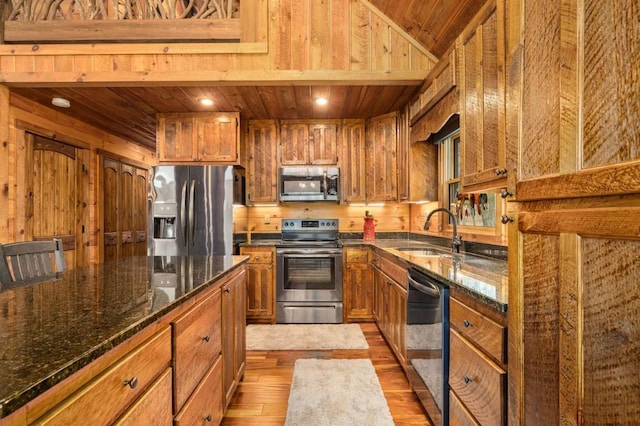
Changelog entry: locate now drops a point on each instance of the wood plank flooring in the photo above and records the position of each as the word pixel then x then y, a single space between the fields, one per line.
pixel 261 398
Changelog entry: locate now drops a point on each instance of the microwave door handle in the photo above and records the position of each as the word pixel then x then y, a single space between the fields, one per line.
pixel 326 186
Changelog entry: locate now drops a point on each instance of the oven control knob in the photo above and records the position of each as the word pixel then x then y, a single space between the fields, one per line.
pixel 286 224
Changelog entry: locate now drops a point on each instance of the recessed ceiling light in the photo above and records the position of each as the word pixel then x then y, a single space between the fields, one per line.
pixel 206 101
pixel 322 101
pixel 61 102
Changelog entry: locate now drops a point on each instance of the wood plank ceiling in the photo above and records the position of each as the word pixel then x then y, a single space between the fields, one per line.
pixel 129 112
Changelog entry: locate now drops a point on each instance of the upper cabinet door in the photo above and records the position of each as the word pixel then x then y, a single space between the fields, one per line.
pixel 201 137
pixel 482 99
pixel 323 142
pixel 262 167
pixel 294 142
pixel 353 168
pixel 381 158
pixel 309 142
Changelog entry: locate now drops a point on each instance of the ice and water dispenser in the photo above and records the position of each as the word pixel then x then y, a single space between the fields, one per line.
pixel 165 220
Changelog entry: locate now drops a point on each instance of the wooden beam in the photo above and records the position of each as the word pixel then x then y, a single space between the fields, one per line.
pixel 213 78
pixel 122 31
pixel 131 49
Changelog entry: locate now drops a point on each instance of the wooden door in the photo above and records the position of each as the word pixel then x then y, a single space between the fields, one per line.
pixel 482 98
pixel 323 142
pixel 294 142
pixel 353 167
pixel 110 208
pixel 574 242
pixel 55 201
pixel 261 298
pixel 262 167
pixel 124 209
pixel 358 286
pixel 381 158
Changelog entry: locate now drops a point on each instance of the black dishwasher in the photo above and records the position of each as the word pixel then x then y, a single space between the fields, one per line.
pixel 428 342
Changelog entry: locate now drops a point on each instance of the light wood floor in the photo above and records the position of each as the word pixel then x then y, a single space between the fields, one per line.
pixel 261 398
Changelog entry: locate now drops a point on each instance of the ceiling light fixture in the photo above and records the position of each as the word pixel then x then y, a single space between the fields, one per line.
pixel 61 102
pixel 206 101
pixel 322 101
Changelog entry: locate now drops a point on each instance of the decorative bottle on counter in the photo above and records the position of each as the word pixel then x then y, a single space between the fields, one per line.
pixel 369 231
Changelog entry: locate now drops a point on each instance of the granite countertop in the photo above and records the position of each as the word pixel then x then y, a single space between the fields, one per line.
pixel 51 329
pixel 482 277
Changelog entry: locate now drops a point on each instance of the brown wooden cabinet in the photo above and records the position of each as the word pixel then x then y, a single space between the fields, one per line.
pixel 573 286
pixel 197 342
pixel 353 170
pixel 261 284
pixel 357 285
pixel 477 370
pixel 124 197
pixel 205 405
pixel 103 399
pixel 381 158
pixel 482 98
pixel 233 334
pixel 309 142
pixel 154 407
pixel 201 137
pixel 262 167
pixel 390 303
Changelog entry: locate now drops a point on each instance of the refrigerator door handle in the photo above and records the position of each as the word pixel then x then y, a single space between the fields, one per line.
pixel 192 224
pixel 183 212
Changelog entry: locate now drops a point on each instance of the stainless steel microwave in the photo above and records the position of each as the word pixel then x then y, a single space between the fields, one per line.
pixel 302 183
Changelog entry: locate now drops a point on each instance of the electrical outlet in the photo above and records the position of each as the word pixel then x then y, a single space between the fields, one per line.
pixel 267 219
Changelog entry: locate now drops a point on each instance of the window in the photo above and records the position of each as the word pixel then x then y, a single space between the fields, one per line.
pixel 471 209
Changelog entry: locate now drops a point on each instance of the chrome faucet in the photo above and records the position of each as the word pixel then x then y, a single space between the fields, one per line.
pixel 457 239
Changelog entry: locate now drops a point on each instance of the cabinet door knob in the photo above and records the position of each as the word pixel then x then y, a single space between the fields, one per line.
pixel 208 418
pixel 506 219
pixel 227 290
pixel 206 338
pixel 132 383
pixel 467 323
pixel 467 379
pixel 504 193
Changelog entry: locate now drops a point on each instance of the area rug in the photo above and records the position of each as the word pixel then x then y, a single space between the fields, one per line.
pixel 305 337
pixel 336 392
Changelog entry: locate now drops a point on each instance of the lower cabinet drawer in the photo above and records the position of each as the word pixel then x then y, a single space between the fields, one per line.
pixel 105 398
pixel 458 413
pixel 205 404
pixel 154 407
pixel 478 382
pixel 197 343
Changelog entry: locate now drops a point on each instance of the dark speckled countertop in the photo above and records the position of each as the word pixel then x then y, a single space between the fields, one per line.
pixel 482 277
pixel 51 329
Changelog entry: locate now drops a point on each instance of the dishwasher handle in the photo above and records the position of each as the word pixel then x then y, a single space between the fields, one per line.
pixel 426 287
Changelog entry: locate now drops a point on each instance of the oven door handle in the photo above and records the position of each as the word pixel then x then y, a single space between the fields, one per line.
pixel 310 253
pixel 426 288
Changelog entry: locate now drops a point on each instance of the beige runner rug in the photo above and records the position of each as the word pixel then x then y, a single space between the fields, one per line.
pixel 305 337
pixel 336 392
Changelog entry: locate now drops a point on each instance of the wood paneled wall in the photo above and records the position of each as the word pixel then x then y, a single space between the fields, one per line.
pixel 19 115
pixel 335 35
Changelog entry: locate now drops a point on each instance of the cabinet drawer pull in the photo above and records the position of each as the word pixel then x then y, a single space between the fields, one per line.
pixel 208 418
pixel 132 383
pixel 227 290
pixel 467 323
pixel 467 379
pixel 257 258
pixel 206 338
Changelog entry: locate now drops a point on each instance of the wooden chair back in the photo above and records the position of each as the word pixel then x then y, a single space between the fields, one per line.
pixel 31 260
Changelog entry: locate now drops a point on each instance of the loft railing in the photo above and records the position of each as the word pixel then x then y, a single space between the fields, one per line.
pixel 73 21
pixel 89 10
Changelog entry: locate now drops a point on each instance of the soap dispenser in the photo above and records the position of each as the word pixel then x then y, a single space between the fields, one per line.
pixel 369 231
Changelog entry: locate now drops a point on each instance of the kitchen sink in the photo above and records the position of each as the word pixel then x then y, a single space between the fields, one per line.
pixel 425 252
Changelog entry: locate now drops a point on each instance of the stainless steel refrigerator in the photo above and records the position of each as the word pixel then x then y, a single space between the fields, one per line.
pixel 191 211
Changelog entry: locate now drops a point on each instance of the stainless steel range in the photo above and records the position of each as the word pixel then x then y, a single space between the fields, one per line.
pixel 309 272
